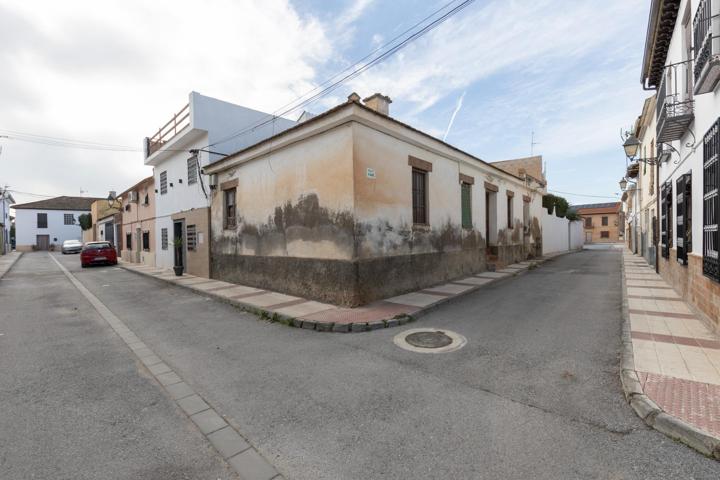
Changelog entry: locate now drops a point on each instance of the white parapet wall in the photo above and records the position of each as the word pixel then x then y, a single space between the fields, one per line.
pixel 560 234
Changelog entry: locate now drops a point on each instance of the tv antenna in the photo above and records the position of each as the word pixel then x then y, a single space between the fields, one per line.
pixel 533 143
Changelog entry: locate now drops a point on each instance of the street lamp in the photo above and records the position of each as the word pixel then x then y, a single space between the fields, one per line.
pixel 112 200
pixel 631 146
pixel 623 184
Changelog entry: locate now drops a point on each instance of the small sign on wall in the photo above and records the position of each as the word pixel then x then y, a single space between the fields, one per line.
pixel 371 173
pixel 201 238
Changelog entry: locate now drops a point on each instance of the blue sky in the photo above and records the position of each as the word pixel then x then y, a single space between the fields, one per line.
pixel 113 73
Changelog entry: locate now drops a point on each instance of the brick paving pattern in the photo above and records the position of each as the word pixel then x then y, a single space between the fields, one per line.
pixel 677 356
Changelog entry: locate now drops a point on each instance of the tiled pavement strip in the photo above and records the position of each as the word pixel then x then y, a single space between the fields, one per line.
pixel 676 358
pixel 312 315
pixel 242 456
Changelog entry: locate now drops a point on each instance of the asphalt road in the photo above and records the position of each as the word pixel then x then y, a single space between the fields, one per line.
pixel 74 404
pixel 535 393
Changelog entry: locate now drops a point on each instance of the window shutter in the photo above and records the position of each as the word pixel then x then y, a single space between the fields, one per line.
pixel 681 205
pixel 665 250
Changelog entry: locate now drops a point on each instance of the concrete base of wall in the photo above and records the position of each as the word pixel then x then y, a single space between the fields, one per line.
pixel 358 282
pixel 695 288
pixel 24 248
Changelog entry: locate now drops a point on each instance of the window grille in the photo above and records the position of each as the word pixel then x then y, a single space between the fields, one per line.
pixel 42 220
pixel 683 214
pixel 69 219
pixel 146 241
pixel 191 234
pixel 163 183
pixel 711 202
pixel 192 170
pixel 164 238
pixel 466 204
pixel 419 196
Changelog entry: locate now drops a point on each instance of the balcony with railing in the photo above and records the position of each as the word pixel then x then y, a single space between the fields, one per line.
pixel 177 123
pixel 706 37
pixel 675 106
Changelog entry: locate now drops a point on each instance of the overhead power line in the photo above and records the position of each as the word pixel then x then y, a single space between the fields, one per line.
pixel 309 97
pixel 361 68
pixel 583 195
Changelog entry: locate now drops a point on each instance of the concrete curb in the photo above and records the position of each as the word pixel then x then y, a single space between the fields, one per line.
pixel 221 432
pixel 12 264
pixel 395 321
pixel 649 411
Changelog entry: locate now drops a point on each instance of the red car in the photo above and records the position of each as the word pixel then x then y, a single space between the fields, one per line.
pixel 98 252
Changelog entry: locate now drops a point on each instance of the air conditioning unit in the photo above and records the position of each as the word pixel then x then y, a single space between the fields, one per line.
pixel 213 181
pixel 134 197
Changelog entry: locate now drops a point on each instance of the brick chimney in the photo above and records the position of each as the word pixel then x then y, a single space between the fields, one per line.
pixel 378 102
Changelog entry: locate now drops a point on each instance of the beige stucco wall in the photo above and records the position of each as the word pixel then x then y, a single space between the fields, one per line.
pixel 197 261
pixel 386 200
pixel 142 217
pixel 597 227
pixel 309 180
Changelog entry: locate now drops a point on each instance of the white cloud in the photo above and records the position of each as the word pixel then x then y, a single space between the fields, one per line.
pixel 114 71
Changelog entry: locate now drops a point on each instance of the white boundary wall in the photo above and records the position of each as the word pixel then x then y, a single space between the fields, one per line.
pixel 560 234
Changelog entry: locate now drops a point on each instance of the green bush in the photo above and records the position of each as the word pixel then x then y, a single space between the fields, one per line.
pixel 555 203
pixel 85 221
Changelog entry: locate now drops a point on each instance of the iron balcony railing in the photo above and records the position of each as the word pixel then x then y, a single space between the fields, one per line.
pixel 706 41
pixel 675 105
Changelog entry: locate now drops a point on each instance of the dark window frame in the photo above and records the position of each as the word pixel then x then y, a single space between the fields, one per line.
pixel 466 205
pixel 588 222
pixel 711 202
pixel 72 219
pixel 230 208
pixel 192 170
pixel 605 221
pixel 419 183
pixel 605 234
pixel 163 182
pixel 128 241
pixel 164 238
pixel 191 237
pixel 42 220
pixel 683 216
pixel 510 213
pixel 146 240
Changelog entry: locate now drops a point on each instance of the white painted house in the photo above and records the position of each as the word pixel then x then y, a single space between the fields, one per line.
pixel 6 200
pixel 38 225
pixel 177 152
pixel 682 62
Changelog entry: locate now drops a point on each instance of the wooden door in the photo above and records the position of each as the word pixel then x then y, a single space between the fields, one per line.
pixel 43 242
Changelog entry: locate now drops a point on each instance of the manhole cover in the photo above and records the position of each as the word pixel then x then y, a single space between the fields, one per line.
pixel 429 339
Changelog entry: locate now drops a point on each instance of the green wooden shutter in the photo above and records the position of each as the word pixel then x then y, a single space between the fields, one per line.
pixel 465 199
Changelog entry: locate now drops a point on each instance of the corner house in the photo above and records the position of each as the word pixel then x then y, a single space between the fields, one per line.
pixel 351 206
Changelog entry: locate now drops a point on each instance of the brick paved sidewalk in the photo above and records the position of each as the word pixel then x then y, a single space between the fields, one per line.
pixel 309 314
pixel 677 357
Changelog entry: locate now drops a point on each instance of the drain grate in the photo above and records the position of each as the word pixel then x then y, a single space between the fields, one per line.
pixel 436 339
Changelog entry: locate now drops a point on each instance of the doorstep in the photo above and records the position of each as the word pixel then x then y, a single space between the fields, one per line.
pixel 313 315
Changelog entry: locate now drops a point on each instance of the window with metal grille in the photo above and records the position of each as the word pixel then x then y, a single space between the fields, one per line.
pixel 604 234
pixel 191 233
pixel 42 220
pixel 69 219
pixel 419 196
pixel 128 241
pixel 164 238
pixel 163 183
pixel 683 214
pixel 588 222
pixel 666 214
pixel 146 241
pixel 711 202
pixel 466 204
pixel 192 170
pixel 604 221
pixel 230 211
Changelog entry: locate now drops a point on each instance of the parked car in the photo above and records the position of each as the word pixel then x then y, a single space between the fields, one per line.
pixel 72 246
pixel 94 253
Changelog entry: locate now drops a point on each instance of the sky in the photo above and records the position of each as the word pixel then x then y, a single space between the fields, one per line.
pixel 113 72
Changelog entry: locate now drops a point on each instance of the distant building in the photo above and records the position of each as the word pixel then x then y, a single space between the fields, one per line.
pixel 211 128
pixel 6 200
pixel 531 167
pixel 138 223
pixel 48 223
pixel 601 222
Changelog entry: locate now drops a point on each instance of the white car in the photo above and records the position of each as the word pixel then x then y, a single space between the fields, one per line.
pixel 72 246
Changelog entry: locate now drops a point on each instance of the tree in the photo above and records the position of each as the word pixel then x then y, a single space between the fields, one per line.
pixel 555 203
pixel 85 221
